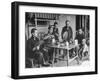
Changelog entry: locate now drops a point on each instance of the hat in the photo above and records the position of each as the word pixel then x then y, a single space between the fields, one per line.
pixel 49 27
pixel 32 30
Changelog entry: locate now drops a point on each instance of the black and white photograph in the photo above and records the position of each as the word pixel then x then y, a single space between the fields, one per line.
pixel 50 40
pixel 56 40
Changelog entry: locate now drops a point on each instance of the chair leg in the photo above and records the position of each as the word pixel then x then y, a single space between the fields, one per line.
pixel 32 63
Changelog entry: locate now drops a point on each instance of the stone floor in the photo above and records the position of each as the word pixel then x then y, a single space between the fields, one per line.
pixel 73 63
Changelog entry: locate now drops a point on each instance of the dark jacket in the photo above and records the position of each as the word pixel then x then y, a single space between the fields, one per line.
pixel 30 44
pixel 80 37
pixel 56 33
pixel 69 32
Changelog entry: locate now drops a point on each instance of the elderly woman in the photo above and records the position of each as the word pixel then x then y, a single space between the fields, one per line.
pixel 83 50
pixel 48 41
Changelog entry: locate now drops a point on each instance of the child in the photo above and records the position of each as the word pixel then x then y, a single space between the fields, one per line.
pixel 83 52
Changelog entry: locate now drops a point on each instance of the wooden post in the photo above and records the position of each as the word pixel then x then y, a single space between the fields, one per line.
pixel 67 57
pixel 35 21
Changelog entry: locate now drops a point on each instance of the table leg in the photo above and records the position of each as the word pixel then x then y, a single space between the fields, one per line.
pixel 67 57
pixel 58 54
pixel 53 57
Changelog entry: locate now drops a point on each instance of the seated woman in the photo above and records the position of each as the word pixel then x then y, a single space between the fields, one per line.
pixel 48 41
pixel 83 52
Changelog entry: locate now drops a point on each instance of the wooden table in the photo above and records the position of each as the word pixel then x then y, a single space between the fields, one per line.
pixel 64 48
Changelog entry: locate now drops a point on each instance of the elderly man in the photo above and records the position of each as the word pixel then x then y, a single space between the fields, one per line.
pixel 80 36
pixel 67 33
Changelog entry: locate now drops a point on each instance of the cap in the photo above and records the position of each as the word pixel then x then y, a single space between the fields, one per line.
pixel 55 23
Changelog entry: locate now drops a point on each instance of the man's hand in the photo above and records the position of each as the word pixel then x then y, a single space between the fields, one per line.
pixel 45 49
pixel 38 47
pixel 34 49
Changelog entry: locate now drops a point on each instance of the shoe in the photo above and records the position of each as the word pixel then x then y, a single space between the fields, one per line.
pixel 46 65
pixel 50 62
pixel 55 61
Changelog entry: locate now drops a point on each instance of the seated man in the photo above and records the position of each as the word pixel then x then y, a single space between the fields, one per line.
pixel 32 48
pixel 80 36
